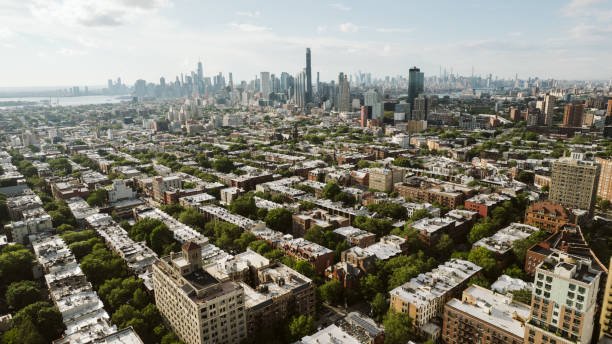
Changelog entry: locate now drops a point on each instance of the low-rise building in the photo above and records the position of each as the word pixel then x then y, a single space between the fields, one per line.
pixel 356 237
pixel 484 203
pixel 317 217
pixel 424 296
pixel 548 216
pixel 483 316
pixel 501 242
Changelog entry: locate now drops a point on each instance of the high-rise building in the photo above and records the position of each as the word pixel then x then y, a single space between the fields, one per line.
pixel 344 96
pixel 549 106
pixel 573 183
pixel 564 301
pixel 609 108
pixel 199 308
pixel 308 77
pixel 416 84
pixel 370 97
pixel 300 89
pixel 573 115
pixel 420 108
pixel 200 71
pixel 604 186
pixel 605 320
pixel 265 87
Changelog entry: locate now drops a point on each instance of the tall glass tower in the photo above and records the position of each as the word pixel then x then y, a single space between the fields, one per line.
pixel 308 77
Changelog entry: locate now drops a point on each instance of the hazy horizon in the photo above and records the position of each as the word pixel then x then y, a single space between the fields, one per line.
pixel 86 42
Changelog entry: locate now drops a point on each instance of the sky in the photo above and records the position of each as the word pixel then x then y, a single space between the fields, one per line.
pixel 86 42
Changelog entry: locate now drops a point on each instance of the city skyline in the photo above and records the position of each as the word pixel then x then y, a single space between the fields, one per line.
pixel 67 42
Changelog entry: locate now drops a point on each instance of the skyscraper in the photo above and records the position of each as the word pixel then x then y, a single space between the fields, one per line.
pixel 416 84
pixel 549 105
pixel 265 85
pixel 200 71
pixel 344 97
pixel 308 77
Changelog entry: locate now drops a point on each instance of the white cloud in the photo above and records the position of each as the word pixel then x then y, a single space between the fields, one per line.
pixel 340 6
pixel 71 52
pixel 349 27
pixel 6 34
pixel 93 13
pixel 249 27
pixel 321 28
pixel 394 30
pixel 254 14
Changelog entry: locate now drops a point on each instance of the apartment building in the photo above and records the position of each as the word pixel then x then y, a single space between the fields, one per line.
pixel 199 308
pixel 484 203
pixel 162 184
pixel 272 290
pixel 424 296
pixel 448 195
pixel 317 217
pixel 501 242
pixel 605 319
pixel 383 179
pixel 548 216
pixel 564 301
pixel 604 186
pixel 484 316
pixel 355 236
pixel 574 183
pixel 568 240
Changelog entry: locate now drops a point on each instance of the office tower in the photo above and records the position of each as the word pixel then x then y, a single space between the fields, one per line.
pixel 605 320
pixel 284 81
pixel 300 89
pixel 162 82
pixel 370 97
pixel 140 88
pixel 420 108
pixel 573 183
pixel 549 105
pixel 604 186
pixel 199 308
pixel 265 85
pixel 308 77
pixel 573 115
pixel 110 84
pixel 231 80
pixel 344 96
pixel 564 301
pixel 416 84
pixel 318 85
pixel 200 71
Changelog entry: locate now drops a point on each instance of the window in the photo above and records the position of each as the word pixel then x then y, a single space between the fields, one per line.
pixel 572 287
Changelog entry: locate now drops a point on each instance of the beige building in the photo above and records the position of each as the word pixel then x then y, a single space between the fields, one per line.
pixel 199 308
pixel 605 320
pixel 604 187
pixel 383 179
pixel 484 316
pixel 573 183
pixel 424 296
pixel 564 301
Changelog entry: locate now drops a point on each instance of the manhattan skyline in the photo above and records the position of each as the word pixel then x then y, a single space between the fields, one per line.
pixel 64 42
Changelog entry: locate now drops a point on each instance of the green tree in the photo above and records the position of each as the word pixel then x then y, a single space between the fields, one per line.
pixel 305 269
pixel 223 164
pixel 191 217
pixel 330 190
pixel 97 198
pixel 15 264
pixel 485 259
pixel 522 295
pixel 22 293
pixel 514 272
pixel 332 292
pixel 379 306
pixel 245 206
pixel 301 326
pixel 479 280
pixel 279 219
pixel 399 328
